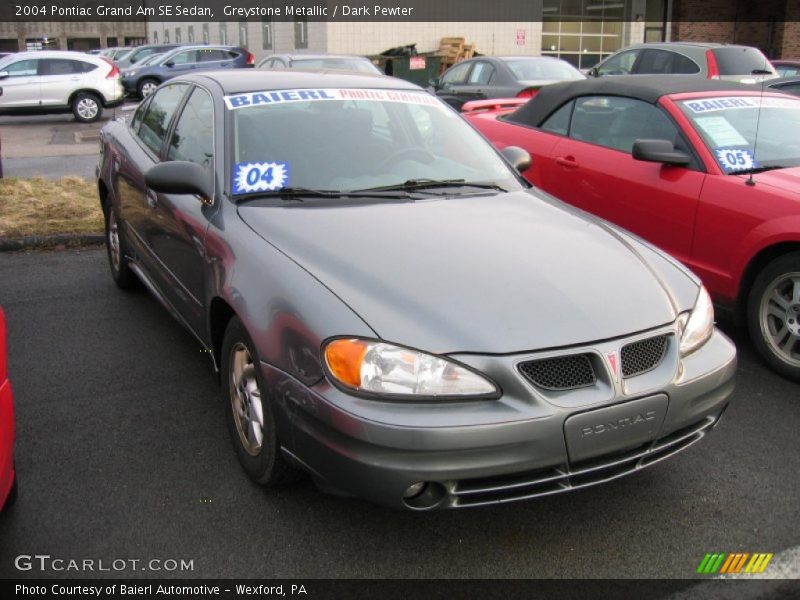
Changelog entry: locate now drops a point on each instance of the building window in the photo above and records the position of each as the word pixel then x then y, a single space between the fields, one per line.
pixel 111 42
pixel 177 35
pixel 206 35
pixel 243 34
pixel 166 36
pixel 155 37
pixel 266 33
pixel 223 33
pixel 191 34
pixel 301 34
pixel 582 32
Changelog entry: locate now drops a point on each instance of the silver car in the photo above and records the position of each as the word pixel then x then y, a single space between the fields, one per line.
pixel 59 82
pixel 729 62
pixel 392 308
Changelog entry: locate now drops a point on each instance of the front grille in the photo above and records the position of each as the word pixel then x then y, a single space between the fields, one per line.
pixel 560 373
pixel 643 356
pixel 543 482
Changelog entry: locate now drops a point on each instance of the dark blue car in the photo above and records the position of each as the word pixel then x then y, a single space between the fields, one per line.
pixel 143 81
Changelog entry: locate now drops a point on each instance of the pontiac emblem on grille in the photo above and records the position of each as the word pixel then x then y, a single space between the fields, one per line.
pixel 614 364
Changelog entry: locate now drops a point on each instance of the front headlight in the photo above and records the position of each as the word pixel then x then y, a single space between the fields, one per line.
pixel 697 326
pixel 373 367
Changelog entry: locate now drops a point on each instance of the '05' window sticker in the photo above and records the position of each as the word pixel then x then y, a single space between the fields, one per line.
pixel 260 177
pixel 734 159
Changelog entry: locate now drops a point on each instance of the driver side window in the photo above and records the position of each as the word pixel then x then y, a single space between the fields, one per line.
pixel 621 64
pixel 457 74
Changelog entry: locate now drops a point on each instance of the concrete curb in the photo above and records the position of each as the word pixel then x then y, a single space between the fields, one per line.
pixel 49 241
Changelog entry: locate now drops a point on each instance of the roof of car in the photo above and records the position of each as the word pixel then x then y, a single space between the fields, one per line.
pixel 301 56
pixel 685 44
pixel 648 88
pixel 238 81
pixel 57 54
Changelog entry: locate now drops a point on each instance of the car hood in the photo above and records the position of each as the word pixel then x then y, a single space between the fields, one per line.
pixel 784 179
pixel 490 274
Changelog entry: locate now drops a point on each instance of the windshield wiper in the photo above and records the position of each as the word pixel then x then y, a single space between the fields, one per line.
pixel 761 169
pixel 291 193
pixel 422 184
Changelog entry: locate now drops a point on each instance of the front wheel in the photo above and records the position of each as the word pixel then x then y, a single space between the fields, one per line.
pixel 146 87
pixel 251 422
pixel 86 108
pixel 773 315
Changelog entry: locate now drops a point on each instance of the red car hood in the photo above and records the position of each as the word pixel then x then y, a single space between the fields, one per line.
pixel 784 179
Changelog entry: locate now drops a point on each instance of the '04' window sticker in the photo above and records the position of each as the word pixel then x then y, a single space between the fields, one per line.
pixel 260 177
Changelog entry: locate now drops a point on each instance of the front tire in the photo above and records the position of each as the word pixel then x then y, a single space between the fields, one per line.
pixel 116 249
pixel 146 87
pixel 86 107
pixel 251 422
pixel 773 315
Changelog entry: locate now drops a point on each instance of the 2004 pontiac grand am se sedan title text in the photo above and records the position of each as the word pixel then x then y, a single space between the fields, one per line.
pixel 393 309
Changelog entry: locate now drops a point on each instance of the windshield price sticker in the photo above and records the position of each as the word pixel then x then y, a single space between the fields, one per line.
pixel 260 177
pixel 735 102
pixel 323 95
pixel 735 159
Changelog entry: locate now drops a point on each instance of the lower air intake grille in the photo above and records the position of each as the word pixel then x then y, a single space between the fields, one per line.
pixel 560 373
pixel 643 356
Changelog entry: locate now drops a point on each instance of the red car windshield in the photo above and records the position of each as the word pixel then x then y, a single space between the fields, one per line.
pixel 742 137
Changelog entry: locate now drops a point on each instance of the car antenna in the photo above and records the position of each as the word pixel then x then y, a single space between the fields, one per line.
pixel 750 181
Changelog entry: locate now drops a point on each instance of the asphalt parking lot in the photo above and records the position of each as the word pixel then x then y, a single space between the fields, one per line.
pixel 52 146
pixel 123 454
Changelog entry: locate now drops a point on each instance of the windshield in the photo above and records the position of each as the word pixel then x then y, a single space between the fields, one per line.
pixel 743 138
pixel 527 69
pixel 345 64
pixel 355 139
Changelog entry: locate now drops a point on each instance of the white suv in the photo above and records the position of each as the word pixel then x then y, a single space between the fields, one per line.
pixel 54 82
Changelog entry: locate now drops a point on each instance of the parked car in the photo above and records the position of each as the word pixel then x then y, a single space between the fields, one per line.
pixel 8 475
pixel 728 62
pixel 787 85
pixel 693 166
pixel 787 67
pixel 316 62
pixel 317 234
pixel 59 82
pixel 142 80
pixel 125 60
pixel 114 52
pixel 500 77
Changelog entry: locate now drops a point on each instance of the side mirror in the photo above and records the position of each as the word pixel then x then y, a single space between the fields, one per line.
pixel 518 157
pixel 3 74
pixel 660 151
pixel 593 72
pixel 180 177
pixel 434 82
pixel 169 64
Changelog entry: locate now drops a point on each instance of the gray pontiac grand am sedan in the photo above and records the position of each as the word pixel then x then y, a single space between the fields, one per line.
pixel 391 307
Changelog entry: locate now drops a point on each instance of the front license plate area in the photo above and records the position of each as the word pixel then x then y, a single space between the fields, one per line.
pixel 614 428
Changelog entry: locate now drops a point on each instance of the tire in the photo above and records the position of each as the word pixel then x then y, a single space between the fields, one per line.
pixel 251 421
pixel 117 251
pixel 773 315
pixel 146 87
pixel 87 107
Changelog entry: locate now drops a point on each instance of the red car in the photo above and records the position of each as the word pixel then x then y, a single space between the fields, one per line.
pixel 708 171
pixel 8 479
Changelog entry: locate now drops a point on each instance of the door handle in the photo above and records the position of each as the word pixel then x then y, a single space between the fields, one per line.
pixel 152 199
pixel 567 161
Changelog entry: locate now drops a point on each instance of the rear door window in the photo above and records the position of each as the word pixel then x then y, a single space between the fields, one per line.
pixel 740 60
pixel 655 61
pixel 159 113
